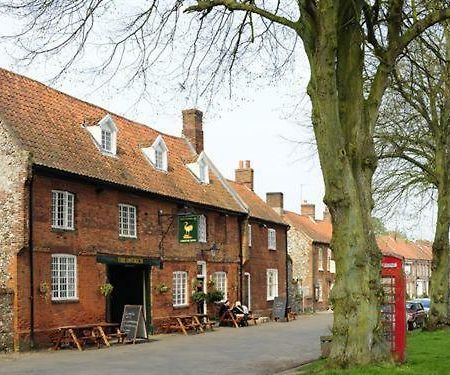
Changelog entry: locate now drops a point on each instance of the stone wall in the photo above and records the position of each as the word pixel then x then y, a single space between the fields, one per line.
pixel 13 221
pixel 6 319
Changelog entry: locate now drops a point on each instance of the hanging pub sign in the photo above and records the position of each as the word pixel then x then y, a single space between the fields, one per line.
pixel 188 229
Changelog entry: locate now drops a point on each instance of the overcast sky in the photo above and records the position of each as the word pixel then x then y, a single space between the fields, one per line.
pixel 268 125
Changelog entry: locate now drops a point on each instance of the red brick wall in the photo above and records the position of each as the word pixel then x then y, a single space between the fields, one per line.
pixel 96 230
pixel 261 259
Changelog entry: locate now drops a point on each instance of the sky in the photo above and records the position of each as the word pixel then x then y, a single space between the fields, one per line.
pixel 268 124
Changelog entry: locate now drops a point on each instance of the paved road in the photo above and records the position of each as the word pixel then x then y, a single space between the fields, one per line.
pixel 265 349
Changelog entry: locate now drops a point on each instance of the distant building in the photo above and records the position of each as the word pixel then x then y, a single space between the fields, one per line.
pixel 417 262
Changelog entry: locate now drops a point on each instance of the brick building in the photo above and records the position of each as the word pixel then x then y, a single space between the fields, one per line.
pixel 313 266
pixel 89 199
pixel 417 257
pixel 264 255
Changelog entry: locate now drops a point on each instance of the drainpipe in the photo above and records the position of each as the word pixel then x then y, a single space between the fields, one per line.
pixel 287 268
pixel 30 252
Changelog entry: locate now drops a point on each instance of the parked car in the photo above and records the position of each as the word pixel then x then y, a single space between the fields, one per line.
pixel 415 314
pixel 426 302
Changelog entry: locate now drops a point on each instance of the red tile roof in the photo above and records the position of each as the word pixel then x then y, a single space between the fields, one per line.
pixel 390 244
pixel 49 125
pixel 257 207
pixel 317 230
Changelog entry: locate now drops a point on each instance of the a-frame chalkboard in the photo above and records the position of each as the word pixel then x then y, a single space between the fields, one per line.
pixel 279 308
pixel 133 323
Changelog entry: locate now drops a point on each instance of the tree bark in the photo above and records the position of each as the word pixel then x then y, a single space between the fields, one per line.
pixel 345 143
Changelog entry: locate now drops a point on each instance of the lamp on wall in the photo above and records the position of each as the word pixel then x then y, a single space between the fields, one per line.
pixel 213 249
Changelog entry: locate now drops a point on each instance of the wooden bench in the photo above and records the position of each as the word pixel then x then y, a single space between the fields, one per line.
pixel 229 318
pixel 182 323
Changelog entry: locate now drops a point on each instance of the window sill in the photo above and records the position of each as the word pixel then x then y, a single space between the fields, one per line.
pixel 62 230
pixel 272 249
pixel 65 301
pixel 127 238
pixel 179 307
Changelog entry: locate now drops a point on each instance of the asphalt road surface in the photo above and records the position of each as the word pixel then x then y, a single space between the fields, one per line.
pixel 268 348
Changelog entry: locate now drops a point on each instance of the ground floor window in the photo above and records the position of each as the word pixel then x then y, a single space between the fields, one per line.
pixel 272 284
pixel 220 283
pixel 179 288
pixel 64 277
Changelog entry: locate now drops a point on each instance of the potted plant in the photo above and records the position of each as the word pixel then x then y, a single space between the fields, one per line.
pixel 214 296
pixel 198 297
pixel 163 288
pixel 106 289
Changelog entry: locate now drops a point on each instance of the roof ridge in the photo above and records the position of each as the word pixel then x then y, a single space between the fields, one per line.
pixel 47 87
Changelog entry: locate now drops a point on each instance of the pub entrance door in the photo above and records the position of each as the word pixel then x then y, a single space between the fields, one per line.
pixel 128 289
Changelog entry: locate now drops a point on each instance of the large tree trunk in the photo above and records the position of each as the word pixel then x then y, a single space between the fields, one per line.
pixel 347 156
pixel 439 269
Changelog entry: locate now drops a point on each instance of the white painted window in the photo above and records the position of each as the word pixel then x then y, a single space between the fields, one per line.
pixel 272 284
pixel 202 232
pixel 272 239
pixel 329 259
pixel 200 168
pixel 157 154
pixel 201 269
pixel 64 277
pixel 249 235
pixel 62 209
pixel 320 258
pixel 106 140
pixel 127 220
pixel 220 283
pixel 320 296
pixel 408 268
pixel 179 288
pixel 105 135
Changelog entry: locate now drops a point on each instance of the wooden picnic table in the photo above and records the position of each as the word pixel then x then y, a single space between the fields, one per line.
pixel 184 323
pixel 80 335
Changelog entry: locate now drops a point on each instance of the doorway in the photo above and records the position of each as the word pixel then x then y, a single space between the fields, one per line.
pixel 129 289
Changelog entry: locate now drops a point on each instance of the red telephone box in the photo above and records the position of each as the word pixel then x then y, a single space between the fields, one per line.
pixel 393 311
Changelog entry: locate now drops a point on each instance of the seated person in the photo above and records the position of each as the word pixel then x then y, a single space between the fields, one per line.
pixel 241 312
pixel 223 308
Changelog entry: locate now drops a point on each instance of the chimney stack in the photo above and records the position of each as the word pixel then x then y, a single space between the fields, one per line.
pixel 244 174
pixel 326 215
pixel 275 200
pixel 193 128
pixel 308 209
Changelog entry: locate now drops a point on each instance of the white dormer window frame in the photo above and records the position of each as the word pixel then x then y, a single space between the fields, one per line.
pixel 157 154
pixel 105 135
pixel 200 168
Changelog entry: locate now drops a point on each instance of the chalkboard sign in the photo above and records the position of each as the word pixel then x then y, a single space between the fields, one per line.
pixel 279 308
pixel 133 323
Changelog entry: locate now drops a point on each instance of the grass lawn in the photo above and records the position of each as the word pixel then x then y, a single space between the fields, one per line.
pixel 428 353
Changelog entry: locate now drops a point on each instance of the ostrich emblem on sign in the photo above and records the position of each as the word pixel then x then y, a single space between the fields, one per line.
pixel 188 228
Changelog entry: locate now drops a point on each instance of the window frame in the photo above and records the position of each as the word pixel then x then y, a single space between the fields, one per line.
pixel 68 219
pixel 272 287
pixel 106 136
pixel 177 283
pixel 271 239
pixel 223 283
pixel 320 259
pixel 128 208
pixel 249 235
pixel 66 277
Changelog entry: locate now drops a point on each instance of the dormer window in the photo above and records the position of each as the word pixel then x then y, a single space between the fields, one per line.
pixel 200 168
pixel 105 135
pixel 157 154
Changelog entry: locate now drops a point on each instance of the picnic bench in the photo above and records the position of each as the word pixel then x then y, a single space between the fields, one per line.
pixel 80 335
pixel 229 318
pixel 183 323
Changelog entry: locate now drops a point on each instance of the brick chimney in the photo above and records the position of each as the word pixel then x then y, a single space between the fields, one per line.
pixel 275 200
pixel 244 174
pixel 308 209
pixel 326 215
pixel 193 128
